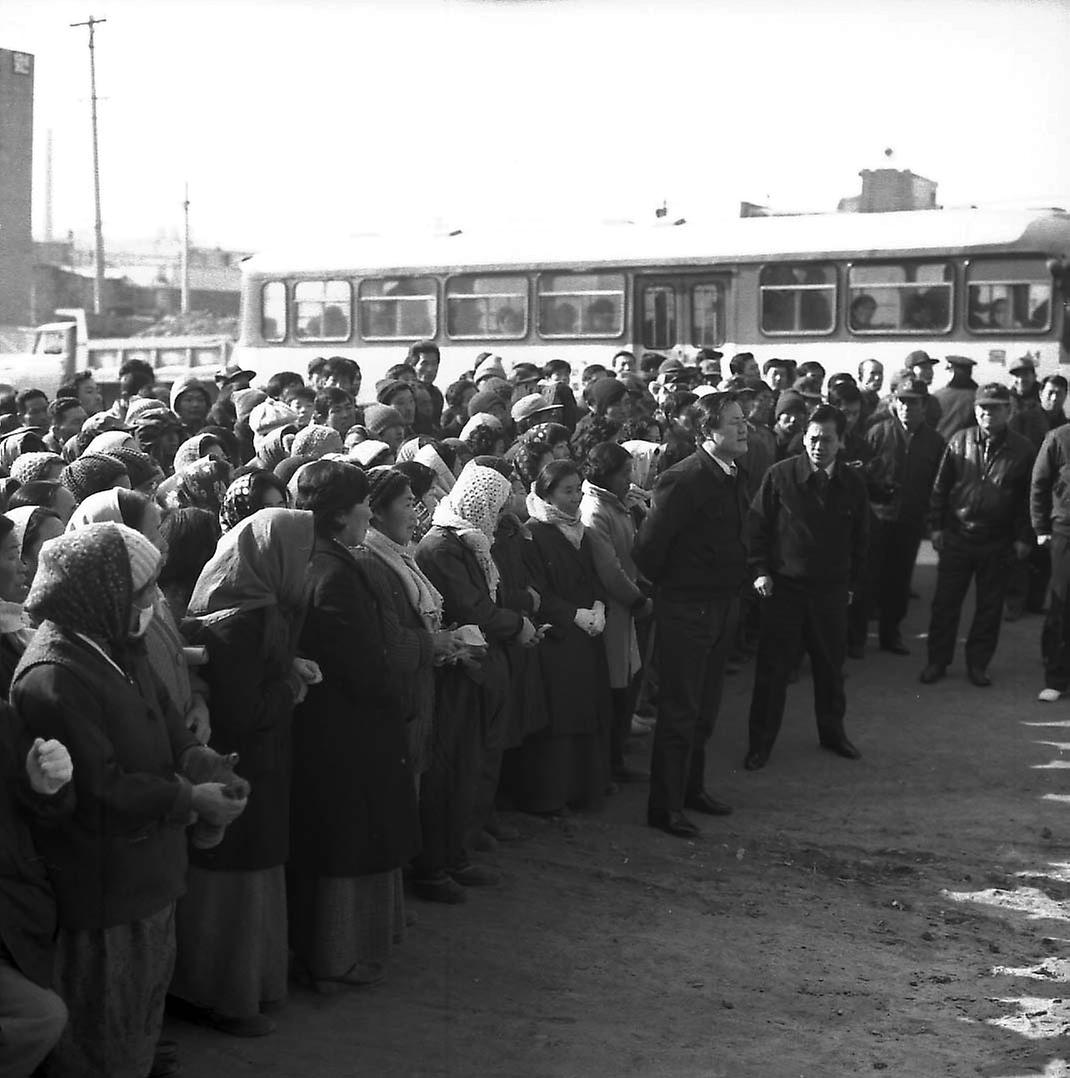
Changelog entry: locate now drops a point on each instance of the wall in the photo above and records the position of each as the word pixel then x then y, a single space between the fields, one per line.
pixel 16 185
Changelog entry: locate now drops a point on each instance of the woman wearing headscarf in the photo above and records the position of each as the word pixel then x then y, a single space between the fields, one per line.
pixel 199 447
pixel 354 802
pixel 15 630
pixel 607 511
pixel 608 398
pixel 47 493
pixel 247 609
pixel 29 467
pixel 118 862
pixel 560 396
pixel 202 485
pixel 567 764
pixel 411 606
pixel 455 414
pixel 13 445
pixel 250 493
pixel 554 435
pixel 108 440
pixel 439 458
pixel 421 481
pixel 159 433
pixel 471 699
pixel 164 644
pixel 92 473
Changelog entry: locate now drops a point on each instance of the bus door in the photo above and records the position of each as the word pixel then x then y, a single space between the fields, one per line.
pixel 685 309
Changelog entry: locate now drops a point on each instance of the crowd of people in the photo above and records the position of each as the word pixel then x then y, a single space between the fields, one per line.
pixel 276 659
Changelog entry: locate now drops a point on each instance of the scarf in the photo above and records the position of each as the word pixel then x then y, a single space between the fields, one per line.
pixel 570 527
pixel 444 478
pixel 471 510
pixel 423 596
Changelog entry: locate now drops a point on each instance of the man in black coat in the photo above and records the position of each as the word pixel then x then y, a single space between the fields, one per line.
pixel 32 1016
pixel 906 455
pixel 691 546
pixel 807 534
pixel 979 514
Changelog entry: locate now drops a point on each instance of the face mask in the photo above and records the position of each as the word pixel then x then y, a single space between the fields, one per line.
pixel 144 619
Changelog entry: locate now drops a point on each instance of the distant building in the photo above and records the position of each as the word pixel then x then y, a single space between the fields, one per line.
pixel 885 190
pixel 16 185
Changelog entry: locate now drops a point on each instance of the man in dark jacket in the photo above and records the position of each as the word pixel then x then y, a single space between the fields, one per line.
pixel 979 513
pixel 32 1016
pixel 1049 511
pixel 906 456
pixel 807 533
pixel 691 546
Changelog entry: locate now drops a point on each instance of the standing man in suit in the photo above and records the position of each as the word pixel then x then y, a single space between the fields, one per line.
pixel 979 513
pixel 808 530
pixel 692 547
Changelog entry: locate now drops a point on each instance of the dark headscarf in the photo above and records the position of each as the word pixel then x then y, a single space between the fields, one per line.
pixel 245 496
pixel 559 395
pixel 91 474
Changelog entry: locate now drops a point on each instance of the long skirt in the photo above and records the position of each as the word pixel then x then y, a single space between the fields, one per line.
pixel 114 982
pixel 345 926
pixel 232 945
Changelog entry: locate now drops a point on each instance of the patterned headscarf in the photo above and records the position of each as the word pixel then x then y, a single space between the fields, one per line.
pixel 262 562
pixel 315 440
pixel 31 466
pixel 24 440
pixel 245 496
pixel 272 450
pixel 203 485
pixel 194 449
pixel 471 510
pixel 85 582
pixel 408 450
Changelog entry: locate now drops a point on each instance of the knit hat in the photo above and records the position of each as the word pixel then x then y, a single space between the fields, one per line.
pixel 384 485
pixel 529 406
pixel 144 557
pixel 268 416
pixel 31 466
pixel 789 401
pixel 491 367
pixel 91 473
pixel 480 419
pixel 365 452
pixel 315 440
pixel 245 400
pixel 483 401
pixel 386 391
pixel 503 388
pixel 109 440
pixel 102 421
pixel 139 466
pixel 604 393
pixel 140 405
pixel 286 469
pixel 378 417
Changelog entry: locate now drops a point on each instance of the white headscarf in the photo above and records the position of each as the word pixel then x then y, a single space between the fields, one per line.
pixel 547 513
pixel 444 478
pixel 471 510
pixel 102 507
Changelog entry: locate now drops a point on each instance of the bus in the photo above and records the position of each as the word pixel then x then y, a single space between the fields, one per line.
pixel 991 285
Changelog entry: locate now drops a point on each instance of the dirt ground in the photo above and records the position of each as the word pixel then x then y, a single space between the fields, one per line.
pixel 901 914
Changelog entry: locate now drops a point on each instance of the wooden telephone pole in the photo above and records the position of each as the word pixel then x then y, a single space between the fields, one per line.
pixel 98 284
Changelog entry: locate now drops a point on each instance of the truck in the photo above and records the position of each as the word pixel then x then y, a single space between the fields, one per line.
pixel 62 349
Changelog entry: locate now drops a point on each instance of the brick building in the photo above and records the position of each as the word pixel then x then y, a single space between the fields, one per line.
pixel 16 184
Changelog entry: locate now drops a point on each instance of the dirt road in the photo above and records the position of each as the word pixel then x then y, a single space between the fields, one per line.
pixel 901 914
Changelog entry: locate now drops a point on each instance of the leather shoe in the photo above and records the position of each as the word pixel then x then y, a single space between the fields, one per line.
pixel 843 748
pixel 932 674
pixel 755 761
pixel 895 645
pixel 978 677
pixel 673 823
pixel 702 802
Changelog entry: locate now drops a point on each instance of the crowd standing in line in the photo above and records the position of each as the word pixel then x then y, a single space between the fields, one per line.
pixel 274 659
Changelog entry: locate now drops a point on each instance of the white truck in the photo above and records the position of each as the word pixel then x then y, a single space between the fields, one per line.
pixel 62 349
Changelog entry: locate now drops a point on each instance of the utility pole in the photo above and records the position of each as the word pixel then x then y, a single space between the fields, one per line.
pixel 185 254
pixel 98 285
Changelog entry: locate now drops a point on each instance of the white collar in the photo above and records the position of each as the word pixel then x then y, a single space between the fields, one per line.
pixel 728 467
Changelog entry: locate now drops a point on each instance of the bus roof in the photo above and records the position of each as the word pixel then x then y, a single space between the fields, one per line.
pixel 734 240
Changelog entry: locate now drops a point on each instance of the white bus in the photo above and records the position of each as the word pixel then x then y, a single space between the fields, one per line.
pixel 838 288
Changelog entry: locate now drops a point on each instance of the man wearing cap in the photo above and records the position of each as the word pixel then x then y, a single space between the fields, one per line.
pixel 807 535
pixel 956 398
pixel 691 546
pixel 1027 417
pixel 231 377
pixel 780 374
pixel 906 454
pixel 920 364
pixel 709 367
pixel 979 515
pixel 531 410
pixel 490 367
pixel 789 423
pixel 744 365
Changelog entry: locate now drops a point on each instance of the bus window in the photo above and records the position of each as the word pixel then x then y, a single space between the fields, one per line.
pixel 581 304
pixel 273 311
pixel 398 308
pixel 799 298
pixel 659 316
pixel 902 297
pixel 478 307
pixel 1008 296
pixel 322 310
pixel 707 303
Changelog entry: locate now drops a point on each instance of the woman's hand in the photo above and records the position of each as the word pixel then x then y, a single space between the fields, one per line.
pixel 212 804
pixel 48 767
pixel 308 671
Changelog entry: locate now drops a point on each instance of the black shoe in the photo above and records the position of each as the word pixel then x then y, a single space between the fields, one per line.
pixel 895 645
pixel 673 823
pixel 702 802
pixel 978 677
pixel 932 674
pixel 843 748
pixel 856 651
pixel 755 761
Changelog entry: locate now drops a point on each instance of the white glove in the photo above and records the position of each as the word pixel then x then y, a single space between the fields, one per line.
pixel 584 619
pixel 599 612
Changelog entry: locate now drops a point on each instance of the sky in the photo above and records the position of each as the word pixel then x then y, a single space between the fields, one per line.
pixel 321 118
